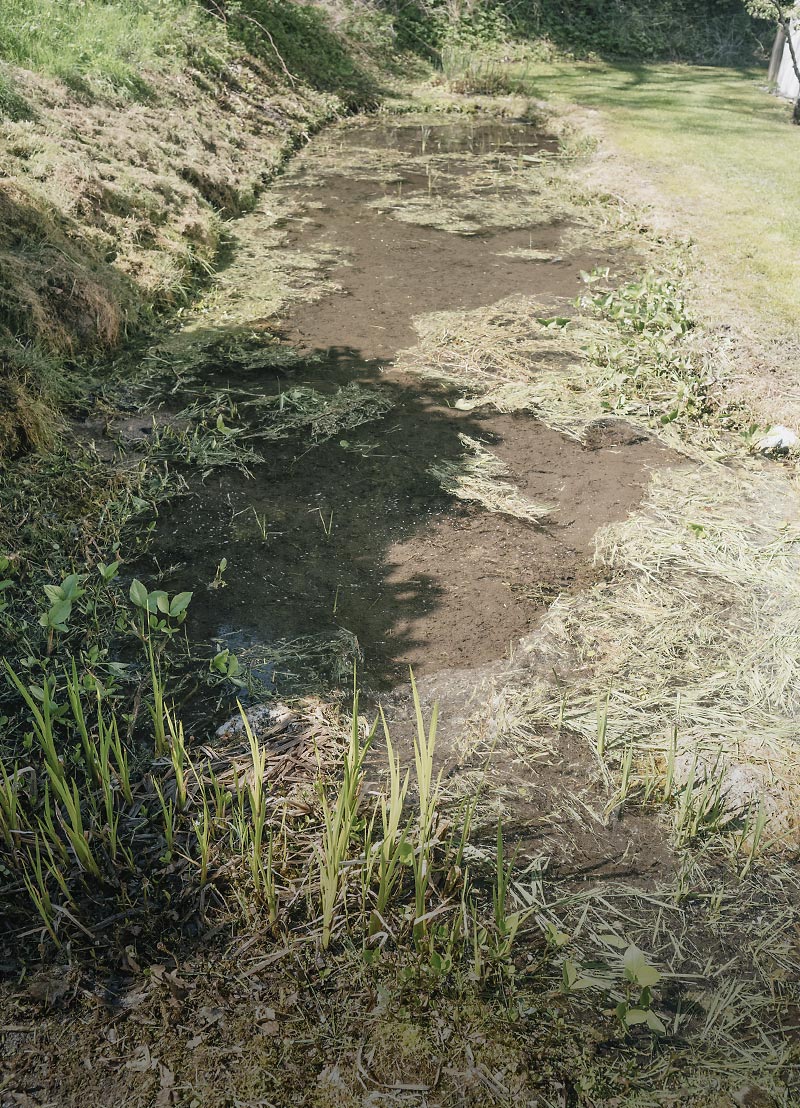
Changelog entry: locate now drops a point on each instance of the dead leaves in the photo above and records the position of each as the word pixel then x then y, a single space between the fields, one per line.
pixel 50 991
pixel 178 988
pixel 143 1062
pixel 300 742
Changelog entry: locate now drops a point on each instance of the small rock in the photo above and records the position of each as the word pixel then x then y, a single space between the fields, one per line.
pixel 778 440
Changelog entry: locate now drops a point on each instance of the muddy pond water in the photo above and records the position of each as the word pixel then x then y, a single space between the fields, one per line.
pixel 344 544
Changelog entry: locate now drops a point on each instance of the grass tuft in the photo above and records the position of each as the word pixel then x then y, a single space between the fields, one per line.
pixel 97 47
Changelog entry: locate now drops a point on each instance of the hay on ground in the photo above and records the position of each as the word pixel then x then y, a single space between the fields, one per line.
pixel 697 636
pixel 517 355
pixel 301 741
pixel 503 356
pixel 471 214
pixel 478 476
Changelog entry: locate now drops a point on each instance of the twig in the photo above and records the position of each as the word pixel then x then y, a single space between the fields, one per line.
pixel 220 13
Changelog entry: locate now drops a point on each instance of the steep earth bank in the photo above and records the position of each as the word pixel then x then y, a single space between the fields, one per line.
pixel 113 208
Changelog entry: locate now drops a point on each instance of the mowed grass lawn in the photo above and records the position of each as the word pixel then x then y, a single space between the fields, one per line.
pixel 721 151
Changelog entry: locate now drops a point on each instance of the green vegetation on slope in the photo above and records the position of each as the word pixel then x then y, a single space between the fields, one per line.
pixel 129 130
pixel 704 31
pixel 700 31
pixel 101 45
pixel 99 48
pixel 315 54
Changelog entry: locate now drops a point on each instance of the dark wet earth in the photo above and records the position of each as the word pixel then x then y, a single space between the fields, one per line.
pixel 348 548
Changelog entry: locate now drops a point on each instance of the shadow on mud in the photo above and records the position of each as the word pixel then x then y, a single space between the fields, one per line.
pixel 339 546
pixel 307 537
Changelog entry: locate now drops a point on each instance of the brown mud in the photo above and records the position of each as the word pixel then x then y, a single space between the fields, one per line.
pixel 360 537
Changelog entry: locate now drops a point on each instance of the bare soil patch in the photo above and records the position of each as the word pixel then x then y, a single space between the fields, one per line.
pixel 360 535
pixel 484 579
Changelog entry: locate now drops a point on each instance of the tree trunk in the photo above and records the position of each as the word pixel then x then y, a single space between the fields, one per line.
pixel 776 56
pixel 787 27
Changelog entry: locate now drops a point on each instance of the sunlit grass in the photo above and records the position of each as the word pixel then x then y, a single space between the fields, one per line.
pixel 95 44
pixel 721 152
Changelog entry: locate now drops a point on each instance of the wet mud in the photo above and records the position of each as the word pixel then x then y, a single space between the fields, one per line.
pixel 351 540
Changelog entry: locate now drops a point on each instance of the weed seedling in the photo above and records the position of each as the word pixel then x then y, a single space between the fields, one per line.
pixel 219 581
pixel 262 523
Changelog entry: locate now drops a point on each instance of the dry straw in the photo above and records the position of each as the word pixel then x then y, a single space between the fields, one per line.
pixel 697 636
pixel 478 476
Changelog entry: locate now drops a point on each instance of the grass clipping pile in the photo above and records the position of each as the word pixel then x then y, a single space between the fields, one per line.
pixel 693 639
pixel 477 476
pixel 303 409
pixel 627 351
pixel 696 642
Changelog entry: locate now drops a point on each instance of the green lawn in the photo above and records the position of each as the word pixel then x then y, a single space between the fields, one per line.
pixel 721 151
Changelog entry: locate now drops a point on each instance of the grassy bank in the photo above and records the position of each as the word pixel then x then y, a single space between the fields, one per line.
pixel 129 133
pixel 102 48
pixel 715 155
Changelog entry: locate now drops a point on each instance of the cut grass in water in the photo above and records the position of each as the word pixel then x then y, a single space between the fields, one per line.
pixel 322 416
pixel 302 663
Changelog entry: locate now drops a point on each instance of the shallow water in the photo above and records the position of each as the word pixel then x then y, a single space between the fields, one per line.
pixel 469 136
pixel 351 540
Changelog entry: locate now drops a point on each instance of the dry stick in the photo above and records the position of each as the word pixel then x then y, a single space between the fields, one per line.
pixel 261 27
pixel 222 15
